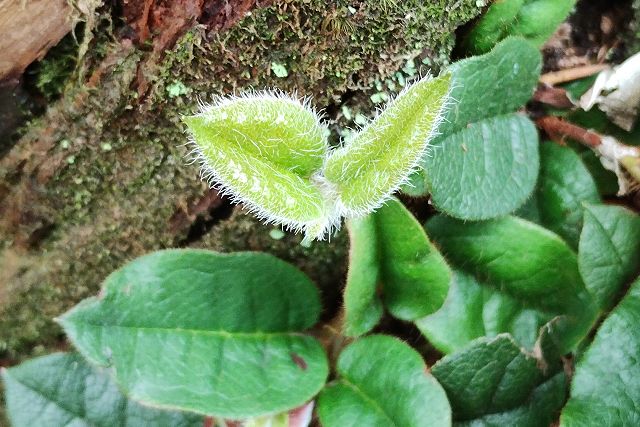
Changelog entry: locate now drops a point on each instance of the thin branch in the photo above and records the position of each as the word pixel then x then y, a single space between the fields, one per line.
pixel 558 130
pixel 571 74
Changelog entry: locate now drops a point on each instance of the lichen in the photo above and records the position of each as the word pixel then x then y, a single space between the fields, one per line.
pixel 111 205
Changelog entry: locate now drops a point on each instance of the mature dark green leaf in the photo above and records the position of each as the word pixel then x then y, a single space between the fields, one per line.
pixel 473 310
pixel 213 333
pixel 485 162
pixel 534 19
pixel 609 255
pixel 384 383
pixel 63 390
pixel 493 26
pixel 391 252
pixel 539 19
pixel 495 165
pixel 523 261
pixel 605 389
pixel 493 382
pixel 563 187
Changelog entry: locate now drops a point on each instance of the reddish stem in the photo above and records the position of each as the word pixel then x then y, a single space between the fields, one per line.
pixel 558 130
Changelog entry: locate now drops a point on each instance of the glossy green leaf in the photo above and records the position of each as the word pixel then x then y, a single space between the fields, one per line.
pixel 564 186
pixel 391 255
pixel 536 20
pixel 474 309
pixel 609 254
pixel 373 165
pixel 485 162
pixel 263 149
pixel 382 382
pixel 523 261
pixel 494 383
pixel 605 389
pixel 63 390
pixel 218 334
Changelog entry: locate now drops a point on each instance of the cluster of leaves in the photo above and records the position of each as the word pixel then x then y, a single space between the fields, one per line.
pixel 514 272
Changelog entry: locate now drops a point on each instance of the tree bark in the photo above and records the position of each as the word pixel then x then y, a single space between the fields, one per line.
pixel 102 177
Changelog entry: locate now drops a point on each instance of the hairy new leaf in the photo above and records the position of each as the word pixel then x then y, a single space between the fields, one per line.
pixel 213 333
pixel 264 150
pixel 484 163
pixel 63 390
pixel 493 382
pixel 373 165
pixel 383 382
pixel 605 389
pixel 391 255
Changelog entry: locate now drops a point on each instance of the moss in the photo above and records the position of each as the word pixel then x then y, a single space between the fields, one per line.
pixel 110 205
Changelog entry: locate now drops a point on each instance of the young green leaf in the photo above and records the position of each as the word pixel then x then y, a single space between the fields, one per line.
pixel 217 334
pixel 63 390
pixel 485 162
pixel 493 382
pixel 563 187
pixel 384 383
pixel 605 389
pixel 265 150
pixel 525 262
pixel 380 158
pixel 609 250
pixel 391 254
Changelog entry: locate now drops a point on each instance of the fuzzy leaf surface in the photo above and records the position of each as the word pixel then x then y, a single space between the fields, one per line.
pixel 492 382
pixel 263 149
pixel 374 164
pixel 384 383
pixel 391 253
pixel 609 254
pixel 63 390
pixel 525 262
pixel 484 162
pixel 605 389
pixel 218 334
pixel 564 186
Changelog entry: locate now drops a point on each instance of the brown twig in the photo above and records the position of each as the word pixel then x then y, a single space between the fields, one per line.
pixel 558 130
pixel 571 74
pixel 553 96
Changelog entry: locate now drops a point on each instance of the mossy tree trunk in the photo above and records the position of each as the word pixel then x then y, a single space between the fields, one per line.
pixel 102 177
